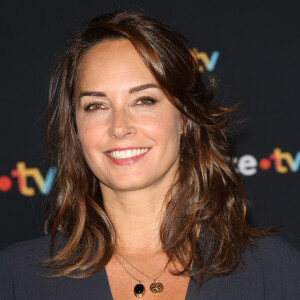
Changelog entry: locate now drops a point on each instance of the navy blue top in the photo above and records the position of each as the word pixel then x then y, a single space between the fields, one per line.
pixel 271 271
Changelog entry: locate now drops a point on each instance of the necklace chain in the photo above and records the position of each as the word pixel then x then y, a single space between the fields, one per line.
pixel 153 277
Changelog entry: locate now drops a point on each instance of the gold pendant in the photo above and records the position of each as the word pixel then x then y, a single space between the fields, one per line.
pixel 156 287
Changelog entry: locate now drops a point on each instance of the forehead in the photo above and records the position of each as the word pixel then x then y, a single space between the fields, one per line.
pixel 112 62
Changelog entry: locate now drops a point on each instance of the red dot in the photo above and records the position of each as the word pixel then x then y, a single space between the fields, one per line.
pixel 265 164
pixel 5 183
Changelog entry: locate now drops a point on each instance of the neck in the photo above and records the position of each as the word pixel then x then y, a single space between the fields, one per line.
pixel 136 216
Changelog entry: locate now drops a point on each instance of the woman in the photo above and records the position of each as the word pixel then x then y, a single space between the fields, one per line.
pixel 148 202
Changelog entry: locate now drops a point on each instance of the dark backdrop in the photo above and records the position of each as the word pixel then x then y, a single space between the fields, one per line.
pixel 252 48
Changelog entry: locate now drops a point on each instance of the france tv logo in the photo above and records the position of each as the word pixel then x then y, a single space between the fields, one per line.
pixel 205 61
pixel 283 162
pixel 22 173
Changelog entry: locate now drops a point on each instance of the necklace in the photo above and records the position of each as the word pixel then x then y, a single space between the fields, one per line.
pixel 139 289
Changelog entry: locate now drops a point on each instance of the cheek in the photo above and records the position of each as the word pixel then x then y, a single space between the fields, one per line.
pixel 85 135
pixel 165 130
pixel 88 133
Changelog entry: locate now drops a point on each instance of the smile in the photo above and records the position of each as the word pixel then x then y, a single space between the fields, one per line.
pixel 126 154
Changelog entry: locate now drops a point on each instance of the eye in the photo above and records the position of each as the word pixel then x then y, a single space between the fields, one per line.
pixel 146 101
pixel 91 107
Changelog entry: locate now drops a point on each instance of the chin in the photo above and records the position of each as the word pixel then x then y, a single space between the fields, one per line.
pixel 128 185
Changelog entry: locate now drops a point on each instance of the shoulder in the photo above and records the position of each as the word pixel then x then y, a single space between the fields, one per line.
pixel 274 250
pixel 23 276
pixel 270 270
pixel 276 263
pixel 18 250
pixel 18 263
pixel 275 243
pixel 23 257
pixel 27 252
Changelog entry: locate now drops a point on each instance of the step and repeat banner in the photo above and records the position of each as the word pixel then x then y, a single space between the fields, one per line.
pixel 252 49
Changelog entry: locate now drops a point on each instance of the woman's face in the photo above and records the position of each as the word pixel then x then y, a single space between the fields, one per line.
pixel 129 131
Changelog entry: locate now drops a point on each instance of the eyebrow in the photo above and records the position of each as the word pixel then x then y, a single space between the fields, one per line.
pixel 143 87
pixel 131 90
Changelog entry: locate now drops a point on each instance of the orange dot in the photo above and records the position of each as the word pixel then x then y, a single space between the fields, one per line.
pixel 265 164
pixel 5 183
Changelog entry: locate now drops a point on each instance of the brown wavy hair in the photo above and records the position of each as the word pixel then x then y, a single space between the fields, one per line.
pixel 208 194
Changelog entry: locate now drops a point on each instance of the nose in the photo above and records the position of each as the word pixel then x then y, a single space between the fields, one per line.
pixel 121 125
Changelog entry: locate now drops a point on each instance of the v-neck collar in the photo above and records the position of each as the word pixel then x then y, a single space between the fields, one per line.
pixel 189 293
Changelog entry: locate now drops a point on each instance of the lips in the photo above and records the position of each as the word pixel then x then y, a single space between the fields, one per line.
pixel 126 156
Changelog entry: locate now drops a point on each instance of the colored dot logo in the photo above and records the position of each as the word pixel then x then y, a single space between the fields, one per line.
pixel 265 164
pixel 5 183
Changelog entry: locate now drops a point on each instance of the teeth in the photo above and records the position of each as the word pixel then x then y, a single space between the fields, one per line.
pixel 122 154
pixel 127 153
